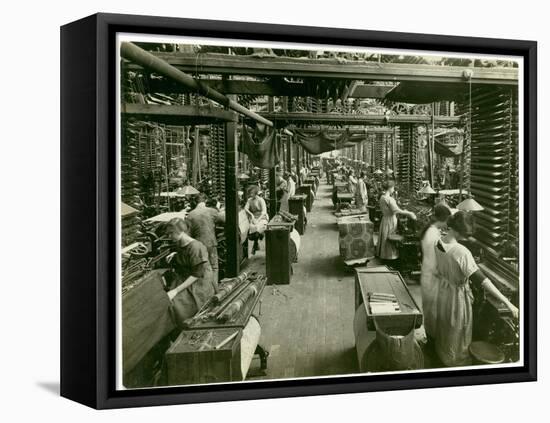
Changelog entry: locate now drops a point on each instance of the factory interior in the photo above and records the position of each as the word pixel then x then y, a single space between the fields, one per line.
pixel 275 206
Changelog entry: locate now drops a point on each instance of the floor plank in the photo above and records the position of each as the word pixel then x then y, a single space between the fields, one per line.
pixel 307 326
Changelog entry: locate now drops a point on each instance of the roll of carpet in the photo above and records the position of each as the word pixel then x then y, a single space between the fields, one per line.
pixel 249 341
pixel 238 304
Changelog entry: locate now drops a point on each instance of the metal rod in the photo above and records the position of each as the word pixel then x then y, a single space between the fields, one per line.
pixel 232 239
pixel 393 151
pixel 432 146
pixel 145 59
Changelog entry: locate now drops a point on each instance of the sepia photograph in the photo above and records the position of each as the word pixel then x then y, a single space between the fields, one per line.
pixel 297 211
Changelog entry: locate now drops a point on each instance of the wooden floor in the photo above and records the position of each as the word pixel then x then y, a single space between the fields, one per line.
pixel 307 326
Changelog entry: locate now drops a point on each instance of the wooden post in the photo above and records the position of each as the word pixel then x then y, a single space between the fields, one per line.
pixel 385 151
pixel 289 154
pixel 372 162
pixel 393 136
pixel 298 164
pixel 366 147
pixel 431 140
pixel 232 265
pixel 272 193
pixel 195 152
pixel 282 154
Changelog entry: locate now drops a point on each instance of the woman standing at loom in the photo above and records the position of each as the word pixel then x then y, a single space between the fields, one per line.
pixel 455 268
pixel 256 210
pixel 428 238
pixel 388 224
pixel 361 195
pixel 352 182
pixel 281 191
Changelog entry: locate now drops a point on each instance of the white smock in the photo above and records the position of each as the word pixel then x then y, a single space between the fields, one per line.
pixel 428 285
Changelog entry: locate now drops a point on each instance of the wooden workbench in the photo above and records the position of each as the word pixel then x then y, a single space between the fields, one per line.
pixel 146 318
pixel 343 198
pixel 382 280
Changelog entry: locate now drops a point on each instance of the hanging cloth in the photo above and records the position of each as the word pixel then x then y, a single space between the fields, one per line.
pixel 321 142
pixel 263 153
pixel 447 150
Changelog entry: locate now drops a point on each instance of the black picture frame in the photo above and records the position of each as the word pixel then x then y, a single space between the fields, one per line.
pixel 88 200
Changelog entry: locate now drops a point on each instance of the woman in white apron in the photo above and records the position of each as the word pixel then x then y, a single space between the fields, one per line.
pixel 361 194
pixel 455 268
pixel 256 210
pixel 428 238
pixel 388 224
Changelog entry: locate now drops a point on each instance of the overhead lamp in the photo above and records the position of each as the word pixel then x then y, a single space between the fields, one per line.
pixel 378 172
pixel 187 190
pixel 427 189
pixel 469 204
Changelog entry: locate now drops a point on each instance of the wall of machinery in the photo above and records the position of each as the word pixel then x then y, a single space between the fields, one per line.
pixel 216 159
pixel 494 164
pixel 408 163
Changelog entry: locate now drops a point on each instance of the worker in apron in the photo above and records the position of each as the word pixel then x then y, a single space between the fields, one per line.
pixel 388 224
pixel 256 209
pixel 361 194
pixel 281 192
pixel 195 282
pixel 455 268
pixel 428 238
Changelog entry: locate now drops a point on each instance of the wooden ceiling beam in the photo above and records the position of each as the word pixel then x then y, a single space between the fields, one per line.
pixel 356 119
pixel 223 64
pixel 360 131
pixel 177 115
pixel 268 88
pixel 236 87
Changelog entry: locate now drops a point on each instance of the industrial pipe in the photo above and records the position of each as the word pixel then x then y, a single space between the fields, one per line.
pixel 147 60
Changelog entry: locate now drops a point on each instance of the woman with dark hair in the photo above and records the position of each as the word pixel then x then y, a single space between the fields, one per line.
pixel 195 283
pixel 428 238
pixel 455 267
pixel 256 210
pixel 388 224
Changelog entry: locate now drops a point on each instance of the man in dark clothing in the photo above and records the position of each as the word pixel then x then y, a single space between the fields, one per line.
pixel 202 227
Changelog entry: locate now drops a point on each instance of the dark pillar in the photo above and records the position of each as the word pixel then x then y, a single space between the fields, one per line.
pixel 393 142
pixel 386 151
pixel 289 154
pixel 372 162
pixel 431 146
pixel 281 147
pixel 283 153
pixel 298 164
pixel 231 202
pixel 272 193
